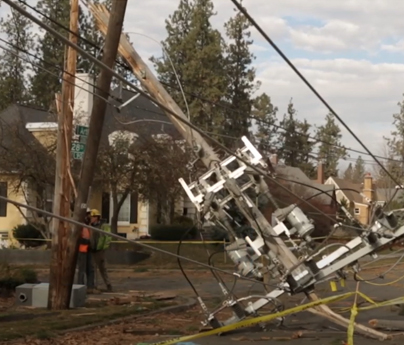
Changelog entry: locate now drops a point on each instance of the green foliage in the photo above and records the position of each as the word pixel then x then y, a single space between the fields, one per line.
pixel 348 173
pixel 172 232
pixel 295 146
pixel 29 231
pixel 11 277
pixel 196 51
pixel 240 78
pixel 13 86
pixel 330 150
pixel 358 171
pixel 264 112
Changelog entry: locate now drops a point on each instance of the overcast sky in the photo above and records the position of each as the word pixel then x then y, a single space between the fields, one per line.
pixel 350 50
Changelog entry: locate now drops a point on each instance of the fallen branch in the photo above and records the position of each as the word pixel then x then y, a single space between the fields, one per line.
pixel 389 325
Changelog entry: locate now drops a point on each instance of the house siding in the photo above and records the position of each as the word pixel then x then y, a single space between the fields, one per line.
pixel 132 230
pixel 14 216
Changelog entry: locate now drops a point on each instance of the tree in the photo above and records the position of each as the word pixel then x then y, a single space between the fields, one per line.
pixel 330 149
pixel 135 163
pixel 241 77
pixel 52 51
pixel 295 146
pixel 395 143
pixel 31 165
pixel 264 114
pixel 193 54
pixel 359 170
pixel 348 173
pixel 13 83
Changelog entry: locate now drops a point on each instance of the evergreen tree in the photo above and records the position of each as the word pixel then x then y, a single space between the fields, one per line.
pixel 396 142
pixel 359 170
pixel 348 173
pixel 241 76
pixel 330 149
pixel 195 50
pixel 52 51
pixel 265 113
pixel 13 83
pixel 295 147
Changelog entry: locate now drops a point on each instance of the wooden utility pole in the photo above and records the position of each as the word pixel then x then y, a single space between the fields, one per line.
pixel 207 154
pixel 59 291
pixel 96 125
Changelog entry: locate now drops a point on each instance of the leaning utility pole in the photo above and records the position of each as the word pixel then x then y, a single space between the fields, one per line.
pixel 59 295
pixel 207 156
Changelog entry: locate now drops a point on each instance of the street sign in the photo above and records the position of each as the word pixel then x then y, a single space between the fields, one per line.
pixel 78 147
pixel 82 130
pixel 78 155
pixel 82 139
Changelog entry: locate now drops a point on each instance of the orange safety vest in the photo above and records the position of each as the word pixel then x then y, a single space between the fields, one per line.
pixel 85 233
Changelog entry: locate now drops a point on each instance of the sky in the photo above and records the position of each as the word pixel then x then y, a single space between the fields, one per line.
pixel 351 51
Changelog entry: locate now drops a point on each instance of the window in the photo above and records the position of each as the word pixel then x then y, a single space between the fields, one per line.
pixel 357 211
pixel 128 212
pixel 124 212
pixel 3 203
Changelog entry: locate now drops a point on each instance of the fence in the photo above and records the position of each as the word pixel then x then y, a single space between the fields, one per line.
pixel 126 254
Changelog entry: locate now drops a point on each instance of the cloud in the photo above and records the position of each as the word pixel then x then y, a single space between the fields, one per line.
pixel 365 93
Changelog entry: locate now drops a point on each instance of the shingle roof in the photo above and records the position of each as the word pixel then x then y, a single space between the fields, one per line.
pixel 351 195
pixel 296 174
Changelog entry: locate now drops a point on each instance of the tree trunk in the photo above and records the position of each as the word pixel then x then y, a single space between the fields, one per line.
pixel 116 207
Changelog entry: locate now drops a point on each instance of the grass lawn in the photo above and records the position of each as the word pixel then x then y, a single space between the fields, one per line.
pixel 43 324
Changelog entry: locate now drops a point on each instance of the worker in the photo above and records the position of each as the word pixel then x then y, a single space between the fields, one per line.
pixel 99 244
pixel 84 260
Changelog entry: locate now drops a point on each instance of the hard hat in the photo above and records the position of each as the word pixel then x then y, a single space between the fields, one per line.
pixel 95 213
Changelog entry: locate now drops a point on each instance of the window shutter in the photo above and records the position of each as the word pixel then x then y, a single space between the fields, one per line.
pixel 133 208
pixel 3 204
pixel 105 203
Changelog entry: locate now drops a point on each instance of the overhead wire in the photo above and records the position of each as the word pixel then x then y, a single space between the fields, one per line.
pixel 309 85
pixel 146 95
pixel 125 66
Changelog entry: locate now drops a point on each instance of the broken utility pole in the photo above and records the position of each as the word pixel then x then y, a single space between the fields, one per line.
pixel 207 156
pixel 59 291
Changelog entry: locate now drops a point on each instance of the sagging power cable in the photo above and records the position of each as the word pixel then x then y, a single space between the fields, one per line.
pixel 145 245
pixel 311 87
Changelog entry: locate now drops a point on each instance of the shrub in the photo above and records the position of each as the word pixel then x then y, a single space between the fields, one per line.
pixel 173 232
pixel 11 277
pixel 30 230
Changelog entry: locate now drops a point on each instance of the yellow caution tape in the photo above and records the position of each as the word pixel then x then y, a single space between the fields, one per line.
pixel 266 318
pixel 333 286
pixel 342 282
pixel 351 326
pixel 257 320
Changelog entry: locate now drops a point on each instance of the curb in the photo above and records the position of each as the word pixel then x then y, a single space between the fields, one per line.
pixel 175 308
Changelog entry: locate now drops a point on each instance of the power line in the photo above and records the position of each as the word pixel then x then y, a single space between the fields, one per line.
pixel 162 106
pixel 221 105
pixel 308 84
pixel 125 66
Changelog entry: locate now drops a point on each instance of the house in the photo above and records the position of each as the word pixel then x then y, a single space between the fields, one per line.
pixel 359 196
pixel 316 192
pixel 127 112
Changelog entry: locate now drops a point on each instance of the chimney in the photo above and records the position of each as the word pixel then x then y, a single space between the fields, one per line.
pixel 274 159
pixel 83 98
pixel 368 187
pixel 320 172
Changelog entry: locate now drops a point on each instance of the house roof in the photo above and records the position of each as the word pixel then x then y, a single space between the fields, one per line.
pixel 351 195
pixel 140 116
pixel 296 174
pixel 381 194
